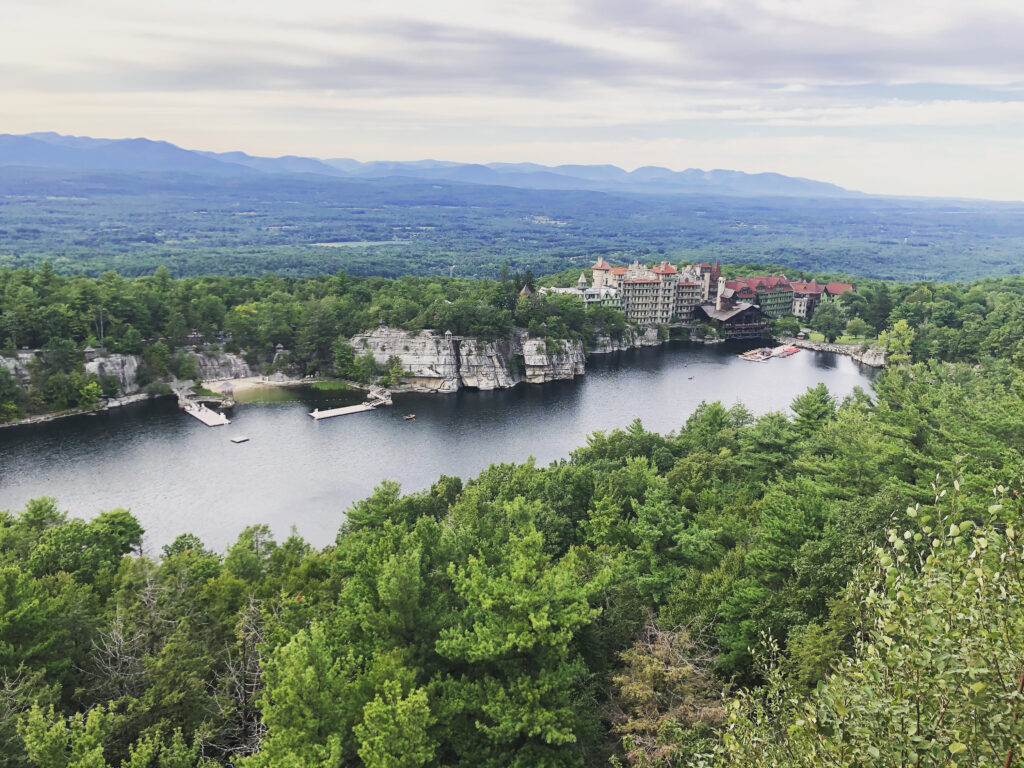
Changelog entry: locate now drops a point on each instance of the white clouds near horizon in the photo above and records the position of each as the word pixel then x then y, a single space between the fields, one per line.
pixel 900 97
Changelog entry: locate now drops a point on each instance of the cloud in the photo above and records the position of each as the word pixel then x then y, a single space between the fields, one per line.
pixel 401 79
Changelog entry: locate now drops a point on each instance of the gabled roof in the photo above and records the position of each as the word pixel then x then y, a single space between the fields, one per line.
pixel 742 288
pixel 724 314
pixel 836 289
pixel 618 270
pixel 526 291
pixel 763 284
pixel 665 269
pixel 601 264
pixel 811 287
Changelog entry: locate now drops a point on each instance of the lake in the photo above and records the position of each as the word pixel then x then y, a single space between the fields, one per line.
pixel 177 475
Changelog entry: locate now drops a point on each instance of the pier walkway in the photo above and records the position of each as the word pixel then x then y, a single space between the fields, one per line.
pixel 208 416
pixel 377 396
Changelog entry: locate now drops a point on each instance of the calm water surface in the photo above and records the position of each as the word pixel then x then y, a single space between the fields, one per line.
pixel 177 475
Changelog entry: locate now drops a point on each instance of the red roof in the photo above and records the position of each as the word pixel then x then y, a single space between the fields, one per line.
pixel 642 281
pixel 666 269
pixel 601 264
pixel 742 288
pixel 683 282
pixel 618 270
pixel 811 287
pixel 704 265
pixel 836 289
pixel 760 283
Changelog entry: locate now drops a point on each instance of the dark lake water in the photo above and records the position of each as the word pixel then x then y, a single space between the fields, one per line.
pixel 177 475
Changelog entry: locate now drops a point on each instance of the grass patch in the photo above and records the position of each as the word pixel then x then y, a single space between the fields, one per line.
pixel 332 385
pixel 204 392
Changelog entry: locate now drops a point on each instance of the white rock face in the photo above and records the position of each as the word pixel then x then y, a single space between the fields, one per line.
pixel 485 364
pixel 18 366
pixel 565 361
pixel 123 367
pixel 436 364
pixel 648 337
pixel 873 357
pixel 224 365
pixel 429 359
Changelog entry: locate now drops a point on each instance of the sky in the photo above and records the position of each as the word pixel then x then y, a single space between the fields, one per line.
pixel 884 96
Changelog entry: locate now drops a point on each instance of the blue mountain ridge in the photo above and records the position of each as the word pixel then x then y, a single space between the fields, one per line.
pixel 56 151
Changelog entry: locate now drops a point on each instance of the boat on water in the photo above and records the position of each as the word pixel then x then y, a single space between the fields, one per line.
pixel 767 353
pixel 756 355
pixel 409 417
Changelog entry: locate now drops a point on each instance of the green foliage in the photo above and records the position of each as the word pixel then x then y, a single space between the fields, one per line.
pixel 54 741
pixel 935 674
pixel 12 399
pixel 395 729
pixel 898 342
pixel 303 705
pixel 593 609
pixel 829 319
pixel 138 223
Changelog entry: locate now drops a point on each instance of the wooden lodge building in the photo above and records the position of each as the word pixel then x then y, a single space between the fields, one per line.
pixel 734 319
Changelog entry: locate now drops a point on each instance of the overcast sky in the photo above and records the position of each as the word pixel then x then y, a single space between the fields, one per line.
pixel 889 96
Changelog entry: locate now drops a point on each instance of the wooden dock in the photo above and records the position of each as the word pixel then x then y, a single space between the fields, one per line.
pixel 377 397
pixel 209 417
pixel 344 411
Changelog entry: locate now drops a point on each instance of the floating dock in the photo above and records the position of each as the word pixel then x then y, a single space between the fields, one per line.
pixel 328 414
pixel 756 355
pixel 767 353
pixel 376 398
pixel 209 417
pixel 239 439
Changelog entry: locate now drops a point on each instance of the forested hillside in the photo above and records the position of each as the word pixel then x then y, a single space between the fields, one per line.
pixel 89 222
pixel 837 585
pixel 156 317
pixel 312 318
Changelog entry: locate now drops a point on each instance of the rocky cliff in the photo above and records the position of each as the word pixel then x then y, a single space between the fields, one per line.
pixel 488 364
pixel 18 366
pixel 430 360
pixel 222 365
pixel 647 337
pixel 124 368
pixel 873 357
pixel 437 363
pixel 545 362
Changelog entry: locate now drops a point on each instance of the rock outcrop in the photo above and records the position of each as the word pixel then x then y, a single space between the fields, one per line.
pixel 430 360
pixel 646 337
pixel 442 363
pixel 873 357
pixel 124 368
pixel 222 365
pixel 18 366
pixel 488 364
pixel 544 362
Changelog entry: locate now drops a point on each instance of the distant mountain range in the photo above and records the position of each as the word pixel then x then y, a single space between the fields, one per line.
pixel 56 151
